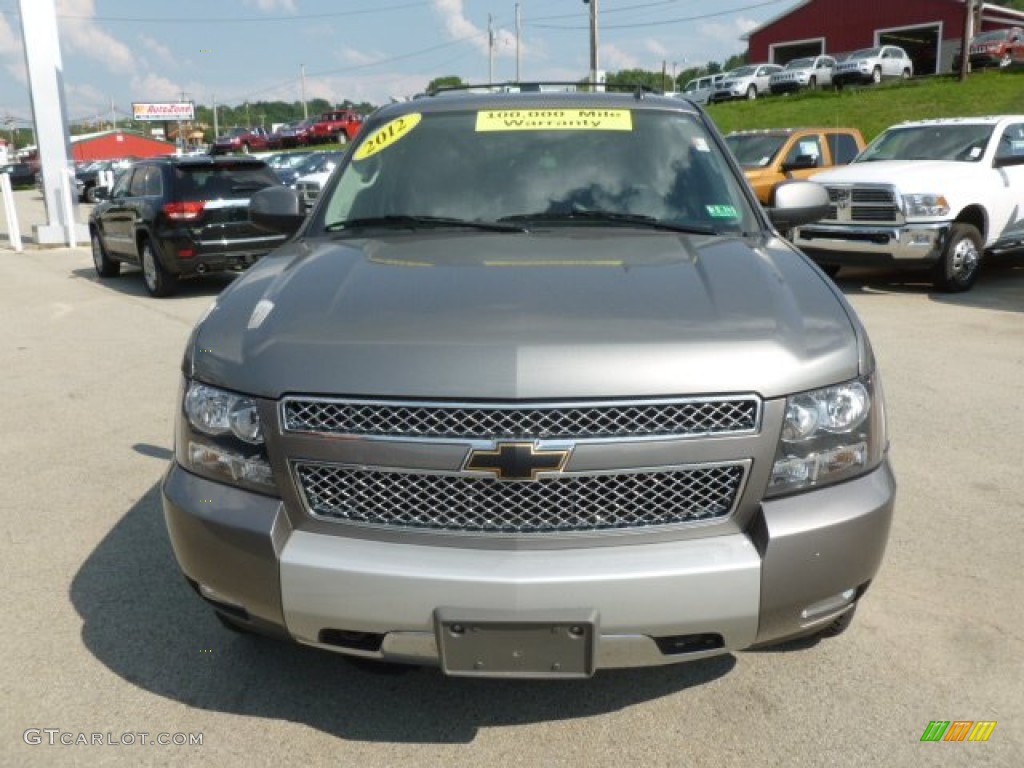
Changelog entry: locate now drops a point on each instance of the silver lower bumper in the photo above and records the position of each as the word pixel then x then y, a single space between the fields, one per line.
pixel 918 243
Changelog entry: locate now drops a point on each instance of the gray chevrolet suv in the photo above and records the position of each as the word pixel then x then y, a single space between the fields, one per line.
pixel 535 389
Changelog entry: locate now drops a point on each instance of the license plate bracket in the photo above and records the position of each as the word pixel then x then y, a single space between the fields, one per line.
pixel 559 644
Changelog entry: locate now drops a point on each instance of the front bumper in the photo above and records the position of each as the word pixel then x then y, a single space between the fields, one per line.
pixel 911 245
pixel 381 599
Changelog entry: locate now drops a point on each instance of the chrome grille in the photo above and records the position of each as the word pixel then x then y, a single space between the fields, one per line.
pixel 539 421
pixel 569 503
pixel 863 205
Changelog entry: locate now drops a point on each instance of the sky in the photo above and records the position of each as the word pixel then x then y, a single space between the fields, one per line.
pixel 116 52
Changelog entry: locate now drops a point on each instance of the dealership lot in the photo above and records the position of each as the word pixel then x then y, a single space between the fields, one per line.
pixel 104 636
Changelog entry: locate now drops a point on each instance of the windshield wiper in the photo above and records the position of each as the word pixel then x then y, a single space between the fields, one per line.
pixel 612 217
pixel 419 222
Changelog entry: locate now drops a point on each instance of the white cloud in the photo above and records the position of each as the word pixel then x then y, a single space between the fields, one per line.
pixel 288 6
pixel 10 41
pixel 80 34
pixel 156 49
pixel 459 27
pixel 612 57
pixel 359 58
pixel 657 49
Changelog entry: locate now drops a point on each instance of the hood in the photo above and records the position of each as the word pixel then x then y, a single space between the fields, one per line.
pixel 905 175
pixel 570 314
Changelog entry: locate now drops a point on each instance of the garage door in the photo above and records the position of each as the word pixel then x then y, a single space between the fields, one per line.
pixel 920 42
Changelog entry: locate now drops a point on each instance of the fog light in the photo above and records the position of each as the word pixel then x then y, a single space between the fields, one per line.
pixel 828 605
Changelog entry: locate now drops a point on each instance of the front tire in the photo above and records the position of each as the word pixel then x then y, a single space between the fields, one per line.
pixel 876 75
pixel 812 84
pixel 752 92
pixel 159 282
pixel 957 268
pixel 906 74
pixel 89 194
pixel 105 266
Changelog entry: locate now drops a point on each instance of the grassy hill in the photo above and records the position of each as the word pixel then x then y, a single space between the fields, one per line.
pixel 874 108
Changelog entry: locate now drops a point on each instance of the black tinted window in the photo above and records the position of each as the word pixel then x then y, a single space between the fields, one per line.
pixel 843 148
pixel 211 182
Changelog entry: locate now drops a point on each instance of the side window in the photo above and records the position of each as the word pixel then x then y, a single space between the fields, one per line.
pixel 138 183
pixel 843 148
pixel 805 153
pixel 121 185
pixel 154 182
pixel 1011 143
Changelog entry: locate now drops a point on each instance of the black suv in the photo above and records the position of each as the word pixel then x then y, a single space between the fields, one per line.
pixel 179 217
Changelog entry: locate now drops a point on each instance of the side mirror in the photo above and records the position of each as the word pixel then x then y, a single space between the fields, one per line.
pixel 795 203
pixel 101 193
pixel 277 209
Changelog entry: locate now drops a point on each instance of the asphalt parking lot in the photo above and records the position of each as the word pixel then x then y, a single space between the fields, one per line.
pixel 104 637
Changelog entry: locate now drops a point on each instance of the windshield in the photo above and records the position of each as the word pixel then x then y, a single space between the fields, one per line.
pixel 742 72
pixel 963 143
pixel 995 36
pixel 594 166
pixel 800 64
pixel 754 150
pixel 865 53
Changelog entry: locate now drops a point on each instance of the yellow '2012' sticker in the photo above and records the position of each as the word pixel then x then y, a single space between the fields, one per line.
pixel 387 135
pixel 554 120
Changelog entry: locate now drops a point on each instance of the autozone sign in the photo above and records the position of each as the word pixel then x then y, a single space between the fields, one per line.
pixel 163 110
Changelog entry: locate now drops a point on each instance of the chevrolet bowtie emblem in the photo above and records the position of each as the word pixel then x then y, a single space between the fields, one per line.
pixel 516 461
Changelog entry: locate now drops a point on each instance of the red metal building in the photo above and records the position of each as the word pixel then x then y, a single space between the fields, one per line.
pixel 929 30
pixel 110 145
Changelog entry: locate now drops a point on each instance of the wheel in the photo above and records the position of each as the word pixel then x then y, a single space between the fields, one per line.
pixel 906 74
pixel 812 83
pixel 105 266
pixel 830 269
pixel 89 195
pixel 752 92
pixel 876 75
pixel 159 282
pixel 245 149
pixel 957 267
pixel 839 625
pixel 1005 61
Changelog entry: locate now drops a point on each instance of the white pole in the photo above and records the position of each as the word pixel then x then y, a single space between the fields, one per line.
pixel 519 30
pixel 13 230
pixel 490 51
pixel 66 183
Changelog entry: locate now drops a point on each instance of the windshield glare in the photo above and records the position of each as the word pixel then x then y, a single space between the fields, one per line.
pixel 643 163
pixel 865 53
pixel 742 72
pixel 800 64
pixel 963 143
pixel 754 150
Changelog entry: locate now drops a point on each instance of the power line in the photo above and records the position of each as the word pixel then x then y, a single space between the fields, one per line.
pixel 233 19
pixel 660 22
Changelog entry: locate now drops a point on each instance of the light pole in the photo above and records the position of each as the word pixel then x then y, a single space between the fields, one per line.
pixel 593 42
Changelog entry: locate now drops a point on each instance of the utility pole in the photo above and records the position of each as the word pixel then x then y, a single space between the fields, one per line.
pixel 490 50
pixel 519 30
pixel 216 128
pixel 302 74
pixel 965 45
pixel 593 43
pixel 113 115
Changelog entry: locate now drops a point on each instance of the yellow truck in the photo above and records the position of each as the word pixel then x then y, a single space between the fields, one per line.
pixel 777 154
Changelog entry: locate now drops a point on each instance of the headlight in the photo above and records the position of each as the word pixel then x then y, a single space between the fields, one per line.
pixel 217 412
pixel 220 437
pixel 922 205
pixel 828 435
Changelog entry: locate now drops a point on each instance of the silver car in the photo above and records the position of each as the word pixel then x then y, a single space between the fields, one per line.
pixel 808 72
pixel 747 82
pixel 535 389
pixel 872 65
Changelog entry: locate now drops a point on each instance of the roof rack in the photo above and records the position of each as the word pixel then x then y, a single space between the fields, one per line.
pixel 536 86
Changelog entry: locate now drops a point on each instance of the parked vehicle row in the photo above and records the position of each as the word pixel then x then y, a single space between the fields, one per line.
pixel 868 65
pixel 995 48
pixel 334 126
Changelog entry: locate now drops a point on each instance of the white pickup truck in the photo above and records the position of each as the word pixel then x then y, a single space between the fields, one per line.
pixel 933 194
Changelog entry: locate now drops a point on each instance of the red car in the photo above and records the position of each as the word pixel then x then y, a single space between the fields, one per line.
pixel 241 140
pixel 340 125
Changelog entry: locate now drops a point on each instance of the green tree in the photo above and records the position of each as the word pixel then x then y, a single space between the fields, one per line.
pixel 448 81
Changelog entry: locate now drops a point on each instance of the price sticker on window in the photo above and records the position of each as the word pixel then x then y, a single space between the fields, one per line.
pixel 386 135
